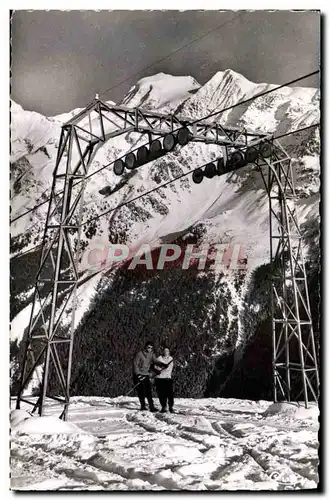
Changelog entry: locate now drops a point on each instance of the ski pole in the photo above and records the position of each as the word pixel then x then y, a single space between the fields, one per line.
pixel 131 390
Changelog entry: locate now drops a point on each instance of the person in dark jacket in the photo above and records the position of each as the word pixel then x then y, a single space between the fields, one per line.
pixel 164 382
pixel 142 364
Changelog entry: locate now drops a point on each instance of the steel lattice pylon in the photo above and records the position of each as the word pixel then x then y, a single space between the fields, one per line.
pixel 294 351
pixel 58 277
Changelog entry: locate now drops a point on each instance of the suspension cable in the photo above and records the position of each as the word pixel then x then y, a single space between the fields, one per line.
pixel 191 123
pixel 164 185
pixel 177 178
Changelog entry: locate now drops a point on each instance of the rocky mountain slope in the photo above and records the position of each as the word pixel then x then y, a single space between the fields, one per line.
pixel 233 209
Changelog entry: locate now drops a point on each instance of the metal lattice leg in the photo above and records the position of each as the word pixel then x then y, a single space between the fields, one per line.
pixel 294 355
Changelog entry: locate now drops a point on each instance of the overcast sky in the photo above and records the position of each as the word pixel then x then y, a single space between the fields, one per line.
pixel 60 59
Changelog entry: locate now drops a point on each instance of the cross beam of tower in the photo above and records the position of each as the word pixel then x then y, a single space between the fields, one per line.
pixel 50 338
pixel 121 120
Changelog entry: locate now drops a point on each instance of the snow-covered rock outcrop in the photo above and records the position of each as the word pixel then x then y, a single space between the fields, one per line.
pixel 161 92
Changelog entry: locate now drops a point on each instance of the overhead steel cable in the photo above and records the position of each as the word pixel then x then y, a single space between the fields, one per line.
pixel 203 35
pixel 262 94
pixel 298 130
pixel 77 183
pixel 20 177
pixel 176 130
pixel 157 61
pixel 173 52
pixel 239 103
pixel 31 210
pixel 164 185
pixel 174 180
pixel 33 249
pixel 35 207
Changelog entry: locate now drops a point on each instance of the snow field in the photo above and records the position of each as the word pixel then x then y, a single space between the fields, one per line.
pixel 209 444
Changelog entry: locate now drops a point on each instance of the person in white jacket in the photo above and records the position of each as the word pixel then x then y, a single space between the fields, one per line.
pixel 164 382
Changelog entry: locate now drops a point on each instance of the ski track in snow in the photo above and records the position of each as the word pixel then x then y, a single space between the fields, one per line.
pixel 209 444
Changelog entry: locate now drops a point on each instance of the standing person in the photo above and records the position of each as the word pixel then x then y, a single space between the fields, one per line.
pixel 141 375
pixel 164 382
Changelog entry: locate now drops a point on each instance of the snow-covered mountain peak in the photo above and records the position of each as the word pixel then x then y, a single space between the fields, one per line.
pixel 30 131
pixel 231 77
pixel 161 91
pixel 224 89
pixel 15 107
pixel 283 109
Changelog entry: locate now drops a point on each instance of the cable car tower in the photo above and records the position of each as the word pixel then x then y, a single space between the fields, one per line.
pixel 50 346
